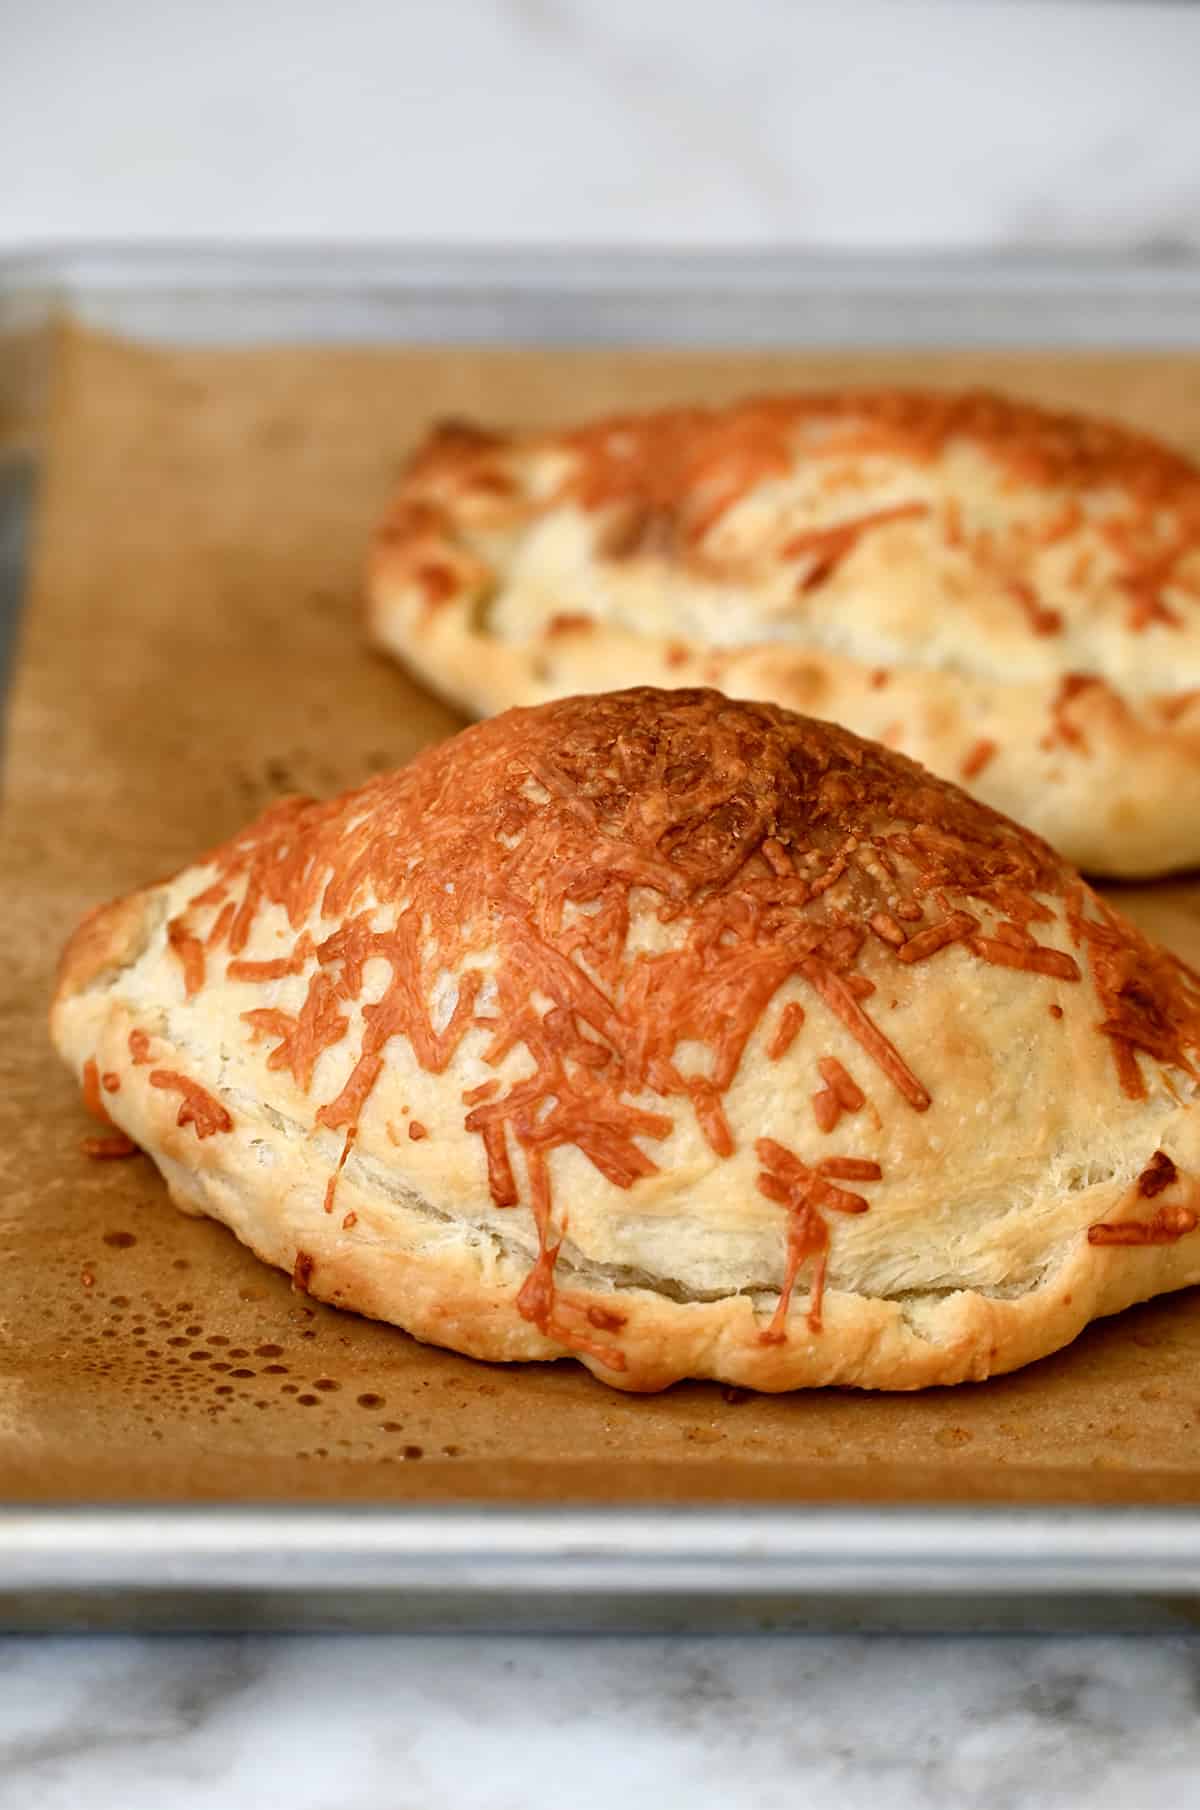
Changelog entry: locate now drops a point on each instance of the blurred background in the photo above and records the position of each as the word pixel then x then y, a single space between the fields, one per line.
pixel 874 123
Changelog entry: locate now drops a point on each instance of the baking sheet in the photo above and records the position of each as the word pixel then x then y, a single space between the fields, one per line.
pixel 191 649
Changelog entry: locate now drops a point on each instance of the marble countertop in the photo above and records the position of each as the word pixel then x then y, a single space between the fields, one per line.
pixel 851 123
pixel 602 121
pixel 380 1723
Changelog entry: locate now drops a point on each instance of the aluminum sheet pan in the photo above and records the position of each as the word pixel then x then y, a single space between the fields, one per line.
pixel 601 1571
pixel 576 1567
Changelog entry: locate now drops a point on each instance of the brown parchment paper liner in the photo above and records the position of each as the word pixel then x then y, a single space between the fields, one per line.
pixel 191 649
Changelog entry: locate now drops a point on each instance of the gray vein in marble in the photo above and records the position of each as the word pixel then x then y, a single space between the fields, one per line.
pixel 695 119
pixel 514 1724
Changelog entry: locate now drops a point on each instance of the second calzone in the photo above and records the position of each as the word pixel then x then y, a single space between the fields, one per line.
pixel 1011 597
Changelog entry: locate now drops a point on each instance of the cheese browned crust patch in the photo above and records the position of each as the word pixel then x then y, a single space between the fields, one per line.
pixel 684 1036
pixel 1010 596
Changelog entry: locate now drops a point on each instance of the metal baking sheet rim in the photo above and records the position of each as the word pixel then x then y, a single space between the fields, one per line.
pixel 574 295
pixel 597 1570
pixel 579 1569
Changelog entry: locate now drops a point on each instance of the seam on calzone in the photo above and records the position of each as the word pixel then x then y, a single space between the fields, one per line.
pixel 685 1036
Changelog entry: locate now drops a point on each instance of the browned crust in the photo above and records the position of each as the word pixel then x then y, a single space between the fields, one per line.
pixel 1108 795
pixel 666 455
pixel 443 1292
pixel 866 1342
pixel 110 937
pixel 660 446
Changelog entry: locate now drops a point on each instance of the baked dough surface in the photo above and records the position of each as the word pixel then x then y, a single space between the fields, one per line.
pixel 1009 596
pixel 685 1036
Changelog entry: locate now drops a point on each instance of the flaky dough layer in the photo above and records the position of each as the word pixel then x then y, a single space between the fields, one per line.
pixel 687 1037
pixel 1011 597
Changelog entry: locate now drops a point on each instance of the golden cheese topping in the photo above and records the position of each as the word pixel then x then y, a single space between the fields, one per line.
pixel 1072 544
pixel 614 890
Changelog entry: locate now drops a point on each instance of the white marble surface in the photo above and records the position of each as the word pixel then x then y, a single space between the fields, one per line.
pixel 887 123
pixel 713 1724
pixel 839 122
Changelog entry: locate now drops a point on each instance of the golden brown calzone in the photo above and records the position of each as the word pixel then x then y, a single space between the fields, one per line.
pixel 686 1036
pixel 1010 596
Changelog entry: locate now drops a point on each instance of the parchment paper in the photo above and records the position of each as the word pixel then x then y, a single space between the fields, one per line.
pixel 191 649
